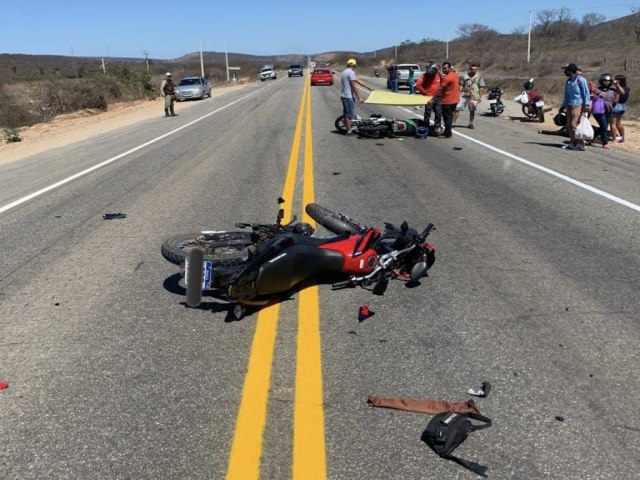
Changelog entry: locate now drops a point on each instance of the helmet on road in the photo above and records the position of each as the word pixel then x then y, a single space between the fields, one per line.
pixel 422 132
pixel 560 119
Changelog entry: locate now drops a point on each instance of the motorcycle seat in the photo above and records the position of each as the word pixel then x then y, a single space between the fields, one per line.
pixel 317 241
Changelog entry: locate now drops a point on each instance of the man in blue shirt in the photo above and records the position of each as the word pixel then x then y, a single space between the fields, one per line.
pixel 576 103
pixel 349 93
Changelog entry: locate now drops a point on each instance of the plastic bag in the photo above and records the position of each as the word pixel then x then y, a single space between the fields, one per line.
pixel 522 99
pixel 584 131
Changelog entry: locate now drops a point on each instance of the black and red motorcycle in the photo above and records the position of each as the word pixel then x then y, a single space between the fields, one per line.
pixel 534 107
pixel 267 263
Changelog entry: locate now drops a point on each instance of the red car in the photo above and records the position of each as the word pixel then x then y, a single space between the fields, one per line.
pixel 321 76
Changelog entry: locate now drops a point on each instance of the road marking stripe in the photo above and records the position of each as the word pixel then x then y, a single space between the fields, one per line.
pixel 309 453
pixel 246 449
pixel 75 176
pixel 559 175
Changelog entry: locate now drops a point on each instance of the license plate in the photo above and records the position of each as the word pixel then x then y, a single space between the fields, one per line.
pixel 493 101
pixel 206 273
pixel 539 103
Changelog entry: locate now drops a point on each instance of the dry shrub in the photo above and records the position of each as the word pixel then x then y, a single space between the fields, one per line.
pixel 62 96
pixel 13 114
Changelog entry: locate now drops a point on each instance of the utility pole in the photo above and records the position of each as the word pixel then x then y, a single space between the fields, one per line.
pixel 529 42
pixel 396 52
pixel 201 61
pixel 104 67
pixel 146 59
pixel 226 61
pixel 447 48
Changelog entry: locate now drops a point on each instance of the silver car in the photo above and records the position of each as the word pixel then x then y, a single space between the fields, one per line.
pixel 193 87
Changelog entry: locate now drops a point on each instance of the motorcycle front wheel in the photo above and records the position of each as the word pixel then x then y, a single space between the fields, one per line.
pixel 226 249
pixel 334 222
pixel 340 125
pixel 527 112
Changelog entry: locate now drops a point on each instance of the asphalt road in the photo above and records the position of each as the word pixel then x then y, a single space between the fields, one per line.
pixel 535 290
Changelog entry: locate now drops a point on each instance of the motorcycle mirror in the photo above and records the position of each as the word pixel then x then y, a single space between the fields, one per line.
pixel 418 270
pixel 404 227
pixel 280 216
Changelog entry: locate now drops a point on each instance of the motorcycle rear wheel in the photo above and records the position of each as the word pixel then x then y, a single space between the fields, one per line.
pixel 226 249
pixel 541 115
pixel 334 222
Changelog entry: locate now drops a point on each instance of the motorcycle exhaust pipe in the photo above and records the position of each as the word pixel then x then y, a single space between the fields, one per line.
pixel 193 276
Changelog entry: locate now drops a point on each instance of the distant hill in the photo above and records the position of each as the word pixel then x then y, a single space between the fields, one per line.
pixel 611 46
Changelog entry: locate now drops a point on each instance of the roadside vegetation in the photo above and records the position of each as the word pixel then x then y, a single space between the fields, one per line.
pixel 36 88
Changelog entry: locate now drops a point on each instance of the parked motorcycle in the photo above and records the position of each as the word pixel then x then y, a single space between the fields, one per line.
pixel 377 126
pixel 265 264
pixel 534 107
pixel 495 101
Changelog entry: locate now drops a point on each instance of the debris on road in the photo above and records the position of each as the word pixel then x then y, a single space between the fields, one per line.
pixel 482 392
pixel 364 312
pixel 3 385
pixel 114 216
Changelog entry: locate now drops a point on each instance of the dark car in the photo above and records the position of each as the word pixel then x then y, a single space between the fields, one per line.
pixel 321 76
pixel 295 70
pixel 193 87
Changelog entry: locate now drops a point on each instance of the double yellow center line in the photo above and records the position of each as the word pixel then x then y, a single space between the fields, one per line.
pixel 309 457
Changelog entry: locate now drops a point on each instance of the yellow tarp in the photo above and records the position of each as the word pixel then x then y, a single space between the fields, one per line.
pixel 382 97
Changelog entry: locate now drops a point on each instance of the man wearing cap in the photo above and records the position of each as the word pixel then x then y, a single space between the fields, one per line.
pixel 350 93
pixel 576 103
pixel 168 90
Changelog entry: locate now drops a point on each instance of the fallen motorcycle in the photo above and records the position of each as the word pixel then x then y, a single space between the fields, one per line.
pixel 377 126
pixel 265 264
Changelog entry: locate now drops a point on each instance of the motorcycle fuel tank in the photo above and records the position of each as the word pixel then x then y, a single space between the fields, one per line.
pixel 293 265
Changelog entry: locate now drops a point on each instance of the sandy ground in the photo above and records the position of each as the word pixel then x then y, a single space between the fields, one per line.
pixel 67 129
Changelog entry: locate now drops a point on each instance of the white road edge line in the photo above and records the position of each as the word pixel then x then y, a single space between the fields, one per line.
pixel 33 195
pixel 559 175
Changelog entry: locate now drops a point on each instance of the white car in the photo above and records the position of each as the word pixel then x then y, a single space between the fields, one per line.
pixel 267 73
pixel 403 73
pixel 190 88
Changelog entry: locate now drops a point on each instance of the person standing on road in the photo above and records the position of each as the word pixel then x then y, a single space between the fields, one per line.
pixel 428 84
pixel 411 81
pixel 393 78
pixel 617 130
pixel 472 87
pixel 602 105
pixel 449 95
pixel 576 103
pixel 168 90
pixel 349 94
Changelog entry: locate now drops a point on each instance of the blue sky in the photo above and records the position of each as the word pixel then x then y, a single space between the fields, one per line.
pixel 169 30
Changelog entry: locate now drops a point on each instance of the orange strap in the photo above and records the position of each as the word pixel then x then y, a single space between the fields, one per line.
pixel 431 407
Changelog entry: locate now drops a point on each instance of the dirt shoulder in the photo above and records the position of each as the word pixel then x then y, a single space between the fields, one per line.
pixel 73 127
pixel 632 130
